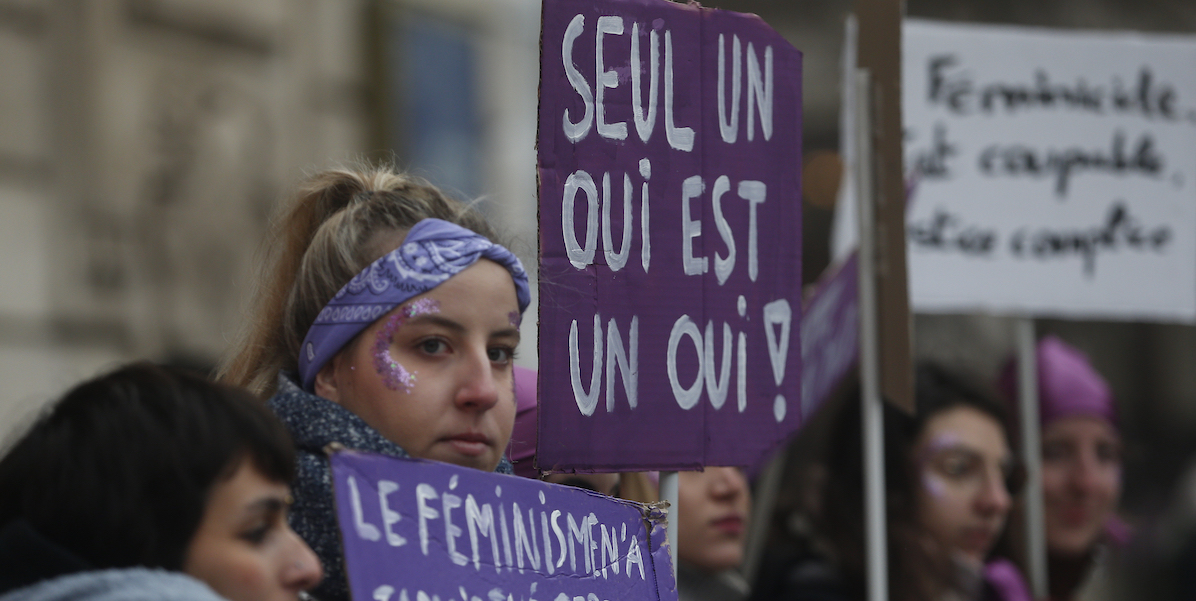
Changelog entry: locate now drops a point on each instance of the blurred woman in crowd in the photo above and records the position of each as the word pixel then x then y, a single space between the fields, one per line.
pixel 386 320
pixel 148 484
pixel 1081 466
pixel 949 477
pixel 712 523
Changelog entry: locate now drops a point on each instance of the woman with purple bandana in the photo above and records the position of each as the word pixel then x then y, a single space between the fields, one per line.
pixel 1081 463
pixel 386 321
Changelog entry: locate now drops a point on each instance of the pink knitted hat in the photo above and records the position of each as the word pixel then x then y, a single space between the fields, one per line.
pixel 1067 384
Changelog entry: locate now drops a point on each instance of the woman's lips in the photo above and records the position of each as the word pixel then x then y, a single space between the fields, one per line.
pixel 1074 517
pixel 978 540
pixel 731 525
pixel 469 443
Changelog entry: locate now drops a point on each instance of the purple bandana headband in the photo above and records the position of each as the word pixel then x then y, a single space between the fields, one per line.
pixel 433 251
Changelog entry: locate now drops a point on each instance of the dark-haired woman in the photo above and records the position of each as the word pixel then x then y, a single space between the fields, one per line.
pixel 948 478
pixel 386 321
pixel 151 484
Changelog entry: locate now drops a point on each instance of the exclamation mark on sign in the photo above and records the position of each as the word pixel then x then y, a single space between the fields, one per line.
pixel 778 313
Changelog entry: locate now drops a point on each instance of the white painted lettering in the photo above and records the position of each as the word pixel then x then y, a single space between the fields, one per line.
pixel 586 401
pixel 634 557
pixel 581 535
pixel 759 90
pixel 616 260
pixel 606 79
pixel 365 530
pixel 610 551
pixel 449 502
pixel 579 256
pixel 754 192
pixel 576 132
pixel 716 390
pixel 525 543
pixel 626 363
pixel 423 494
pixel 646 247
pixel 741 382
pixel 777 313
pixel 481 519
pixel 686 397
pixel 390 517
pixel 729 129
pixel 560 537
pixel 691 228
pixel 723 266
pixel 645 121
pixel 680 138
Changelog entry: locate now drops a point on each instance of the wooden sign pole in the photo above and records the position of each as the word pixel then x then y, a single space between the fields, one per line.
pixel 1027 378
pixel 872 411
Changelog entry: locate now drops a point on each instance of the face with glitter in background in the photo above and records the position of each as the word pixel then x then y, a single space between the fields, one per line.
pixel 435 374
pixel 962 462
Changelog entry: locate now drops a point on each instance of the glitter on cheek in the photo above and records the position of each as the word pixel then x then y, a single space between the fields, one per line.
pixel 394 375
pixel 515 318
pixel 933 484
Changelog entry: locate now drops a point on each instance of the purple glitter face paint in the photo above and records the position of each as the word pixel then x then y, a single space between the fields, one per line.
pixel 940 442
pixel 932 482
pixel 515 318
pixel 395 376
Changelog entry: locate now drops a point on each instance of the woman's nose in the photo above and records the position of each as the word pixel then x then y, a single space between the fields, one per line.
pixel 993 497
pixel 727 482
pixel 477 388
pixel 303 570
pixel 1085 473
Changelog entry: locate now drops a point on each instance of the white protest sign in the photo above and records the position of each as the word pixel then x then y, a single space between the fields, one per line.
pixel 1053 172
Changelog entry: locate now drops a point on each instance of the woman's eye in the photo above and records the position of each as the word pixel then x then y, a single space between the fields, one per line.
pixel 958 467
pixel 1108 452
pixel 256 535
pixel 1054 451
pixel 501 354
pixel 433 346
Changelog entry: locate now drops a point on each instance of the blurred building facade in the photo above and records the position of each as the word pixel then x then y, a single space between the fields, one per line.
pixel 142 144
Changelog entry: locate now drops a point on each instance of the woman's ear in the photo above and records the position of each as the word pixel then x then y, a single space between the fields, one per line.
pixel 326 383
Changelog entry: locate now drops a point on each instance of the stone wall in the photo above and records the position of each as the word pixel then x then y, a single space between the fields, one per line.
pixel 142 144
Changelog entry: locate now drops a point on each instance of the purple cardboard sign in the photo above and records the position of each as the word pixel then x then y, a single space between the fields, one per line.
pixel 830 333
pixel 669 153
pixel 426 531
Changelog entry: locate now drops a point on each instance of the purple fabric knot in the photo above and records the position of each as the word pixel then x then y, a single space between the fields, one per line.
pixel 1007 581
pixel 433 251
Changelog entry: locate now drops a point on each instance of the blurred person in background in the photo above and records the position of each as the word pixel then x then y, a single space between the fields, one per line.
pixel 385 320
pixel 151 484
pixel 1081 468
pixel 712 522
pixel 949 481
